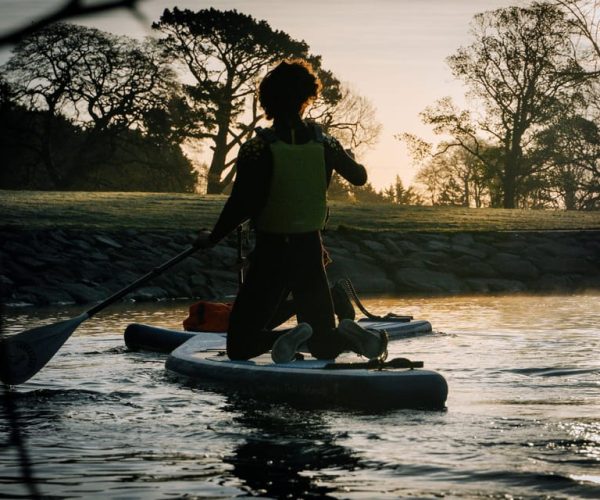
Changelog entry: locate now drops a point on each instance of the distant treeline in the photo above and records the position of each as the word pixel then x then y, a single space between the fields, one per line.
pixel 85 109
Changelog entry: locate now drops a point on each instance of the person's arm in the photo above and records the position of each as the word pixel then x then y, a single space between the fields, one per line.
pixel 248 195
pixel 336 158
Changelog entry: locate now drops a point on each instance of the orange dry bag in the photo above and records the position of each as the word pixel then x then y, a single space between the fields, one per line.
pixel 208 317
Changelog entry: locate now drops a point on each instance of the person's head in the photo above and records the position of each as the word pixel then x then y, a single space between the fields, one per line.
pixel 288 88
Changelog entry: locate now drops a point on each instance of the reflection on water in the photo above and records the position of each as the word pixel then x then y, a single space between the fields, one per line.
pixel 523 415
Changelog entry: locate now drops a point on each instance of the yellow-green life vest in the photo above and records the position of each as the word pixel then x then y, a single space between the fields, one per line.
pixel 297 200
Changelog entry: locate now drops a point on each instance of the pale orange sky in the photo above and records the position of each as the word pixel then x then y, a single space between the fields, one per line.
pixel 391 51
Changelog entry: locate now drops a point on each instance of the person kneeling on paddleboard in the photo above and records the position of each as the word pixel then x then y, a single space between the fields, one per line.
pixel 281 186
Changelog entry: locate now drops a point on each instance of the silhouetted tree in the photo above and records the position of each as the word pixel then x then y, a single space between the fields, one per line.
pixel 396 193
pixel 80 94
pixel 347 116
pixel 583 17
pixel 570 149
pixel 225 53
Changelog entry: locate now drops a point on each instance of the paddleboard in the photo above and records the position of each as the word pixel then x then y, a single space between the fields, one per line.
pixel 140 337
pixel 345 382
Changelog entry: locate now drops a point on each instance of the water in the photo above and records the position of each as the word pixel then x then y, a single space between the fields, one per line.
pixel 522 418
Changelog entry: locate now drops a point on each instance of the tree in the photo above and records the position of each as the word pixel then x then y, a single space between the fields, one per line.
pixel 583 16
pixel 347 116
pixel 396 193
pixel 366 194
pixel 520 71
pixel 84 101
pixel 225 53
pixel 570 149
pixel 103 83
pixel 469 175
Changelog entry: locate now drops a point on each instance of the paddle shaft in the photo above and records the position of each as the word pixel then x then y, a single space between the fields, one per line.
pixel 147 277
pixel 240 253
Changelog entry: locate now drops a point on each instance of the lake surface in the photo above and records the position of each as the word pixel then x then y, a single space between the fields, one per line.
pixel 522 418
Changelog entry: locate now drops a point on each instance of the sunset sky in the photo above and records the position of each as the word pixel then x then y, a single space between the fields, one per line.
pixel 391 51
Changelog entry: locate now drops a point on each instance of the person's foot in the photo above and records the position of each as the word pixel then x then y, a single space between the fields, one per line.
pixel 369 343
pixel 341 302
pixel 285 347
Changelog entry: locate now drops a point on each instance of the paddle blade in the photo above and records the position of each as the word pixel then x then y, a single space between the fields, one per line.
pixel 24 354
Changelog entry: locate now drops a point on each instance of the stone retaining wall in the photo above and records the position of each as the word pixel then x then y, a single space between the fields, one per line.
pixel 45 267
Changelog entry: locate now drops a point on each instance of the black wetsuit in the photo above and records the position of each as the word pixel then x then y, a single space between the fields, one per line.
pixel 281 263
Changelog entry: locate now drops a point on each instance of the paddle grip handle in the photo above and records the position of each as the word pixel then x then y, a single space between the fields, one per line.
pixel 147 277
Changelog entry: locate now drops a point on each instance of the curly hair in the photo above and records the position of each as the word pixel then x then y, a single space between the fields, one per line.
pixel 288 88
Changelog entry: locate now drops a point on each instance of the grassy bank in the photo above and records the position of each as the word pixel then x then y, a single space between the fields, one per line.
pixel 156 211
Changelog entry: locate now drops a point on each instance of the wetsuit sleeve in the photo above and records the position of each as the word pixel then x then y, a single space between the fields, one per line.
pixel 337 159
pixel 250 188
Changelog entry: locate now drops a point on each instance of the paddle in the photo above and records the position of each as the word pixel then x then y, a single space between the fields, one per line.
pixel 26 353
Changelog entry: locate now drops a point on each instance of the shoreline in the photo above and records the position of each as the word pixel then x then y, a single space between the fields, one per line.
pixel 68 266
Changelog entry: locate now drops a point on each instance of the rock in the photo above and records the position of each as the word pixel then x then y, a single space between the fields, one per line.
pixel 512 266
pixel 568 265
pixel 554 283
pixel 470 267
pixel 391 246
pixel 424 280
pixel 225 255
pixel 375 246
pixel 435 245
pixel 179 289
pixel 21 299
pixel 148 293
pixel 98 256
pixel 82 245
pixel 6 281
pixel 16 248
pixel 351 247
pixel 511 246
pixel 408 246
pixel 366 277
pixel 84 294
pixel 31 262
pixel 465 250
pixel 495 285
pixel 462 240
pixel 558 249
pixel 22 275
pixel 217 275
pixel 410 262
pixel 198 280
pixel 59 237
pixel 58 296
pixel 107 241
pixel 435 257
pixel 335 251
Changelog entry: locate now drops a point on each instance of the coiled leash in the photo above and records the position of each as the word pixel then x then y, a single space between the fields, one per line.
pixel 351 292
